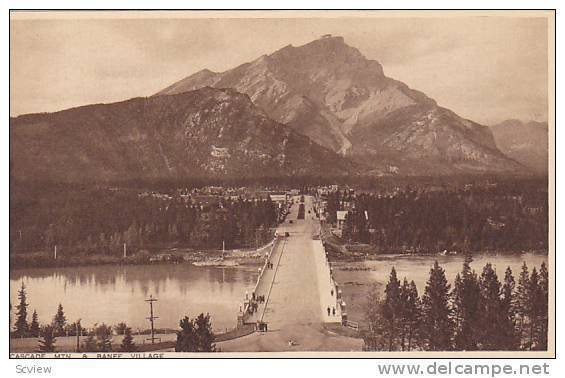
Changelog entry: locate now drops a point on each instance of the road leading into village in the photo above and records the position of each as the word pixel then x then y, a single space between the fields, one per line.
pixel 297 292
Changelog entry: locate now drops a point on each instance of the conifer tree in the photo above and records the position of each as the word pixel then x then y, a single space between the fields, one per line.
pixel 22 326
pixel 543 307
pixel 409 313
pixel 391 308
pixel 508 291
pixel 204 334
pixel 466 296
pixel 523 304
pixel 535 296
pixel 510 340
pixel 490 307
pixel 195 335
pixel 127 344
pixel 47 340
pixel 436 323
pixel 186 338
pixel 34 325
pixel 59 321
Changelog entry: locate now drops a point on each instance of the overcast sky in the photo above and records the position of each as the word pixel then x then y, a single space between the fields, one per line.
pixel 487 69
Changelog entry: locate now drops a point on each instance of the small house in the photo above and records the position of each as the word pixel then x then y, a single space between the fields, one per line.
pixel 340 215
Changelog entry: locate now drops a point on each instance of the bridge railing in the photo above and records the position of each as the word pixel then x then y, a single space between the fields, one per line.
pixel 267 259
pixel 274 243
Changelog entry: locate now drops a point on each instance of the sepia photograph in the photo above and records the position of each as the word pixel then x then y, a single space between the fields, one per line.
pixel 335 184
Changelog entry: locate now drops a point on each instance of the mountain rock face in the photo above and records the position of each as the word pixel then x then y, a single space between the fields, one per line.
pixel 203 133
pixel 329 92
pixel 525 142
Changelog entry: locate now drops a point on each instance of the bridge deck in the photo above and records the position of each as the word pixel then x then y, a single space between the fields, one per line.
pixel 298 291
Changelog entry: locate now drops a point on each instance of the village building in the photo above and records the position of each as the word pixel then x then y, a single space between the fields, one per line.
pixel 340 215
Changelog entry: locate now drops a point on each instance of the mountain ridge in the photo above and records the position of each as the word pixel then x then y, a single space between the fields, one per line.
pixel 526 142
pixel 208 132
pixel 328 91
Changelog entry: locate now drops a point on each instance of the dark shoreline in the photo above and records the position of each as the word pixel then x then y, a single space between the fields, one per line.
pixel 100 260
pixel 338 258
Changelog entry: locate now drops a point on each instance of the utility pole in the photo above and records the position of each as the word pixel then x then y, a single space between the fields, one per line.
pixel 125 251
pixel 151 318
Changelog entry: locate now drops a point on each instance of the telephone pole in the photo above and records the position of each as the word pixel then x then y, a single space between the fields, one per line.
pixel 151 318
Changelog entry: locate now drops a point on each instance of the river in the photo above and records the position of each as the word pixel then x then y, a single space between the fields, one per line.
pixel 113 294
pixel 356 283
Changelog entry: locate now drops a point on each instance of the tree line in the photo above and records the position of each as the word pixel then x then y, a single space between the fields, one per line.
pixel 195 335
pixel 480 312
pixel 98 221
pixel 468 219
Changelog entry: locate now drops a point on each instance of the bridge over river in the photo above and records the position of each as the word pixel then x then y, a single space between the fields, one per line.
pixel 298 291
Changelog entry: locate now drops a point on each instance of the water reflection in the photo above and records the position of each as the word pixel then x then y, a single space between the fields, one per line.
pixel 113 294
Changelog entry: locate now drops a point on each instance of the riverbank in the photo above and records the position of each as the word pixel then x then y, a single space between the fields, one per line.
pixel 156 255
pixel 340 250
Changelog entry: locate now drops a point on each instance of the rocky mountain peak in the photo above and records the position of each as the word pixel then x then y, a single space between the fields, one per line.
pixel 328 91
pixel 321 53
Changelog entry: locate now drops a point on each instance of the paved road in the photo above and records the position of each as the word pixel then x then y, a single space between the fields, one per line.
pixel 294 310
